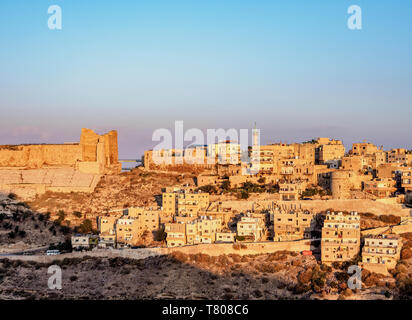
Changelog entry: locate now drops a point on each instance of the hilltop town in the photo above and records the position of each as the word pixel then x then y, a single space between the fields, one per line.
pixel 310 204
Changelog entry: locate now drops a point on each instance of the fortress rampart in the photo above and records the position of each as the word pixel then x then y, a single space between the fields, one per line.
pixel 28 170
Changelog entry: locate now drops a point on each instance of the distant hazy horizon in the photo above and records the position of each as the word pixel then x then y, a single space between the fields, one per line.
pixel 135 66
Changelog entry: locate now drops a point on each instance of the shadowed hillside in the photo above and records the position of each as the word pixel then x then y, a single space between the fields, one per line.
pixel 21 228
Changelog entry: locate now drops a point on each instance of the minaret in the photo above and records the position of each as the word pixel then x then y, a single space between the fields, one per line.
pixel 255 161
pixel 255 136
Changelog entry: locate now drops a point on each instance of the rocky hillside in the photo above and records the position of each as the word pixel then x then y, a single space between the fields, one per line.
pixel 21 228
pixel 134 188
pixel 281 275
pixel 369 220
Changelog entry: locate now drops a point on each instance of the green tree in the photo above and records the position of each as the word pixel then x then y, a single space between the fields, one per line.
pixel 225 185
pixel 60 216
pixel 85 227
pixel 12 196
pixel 208 188
pixel 244 194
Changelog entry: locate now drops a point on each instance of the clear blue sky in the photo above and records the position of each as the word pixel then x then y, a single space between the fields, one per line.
pixel 292 66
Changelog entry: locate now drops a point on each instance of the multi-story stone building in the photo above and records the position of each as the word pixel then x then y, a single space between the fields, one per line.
pixel 189 231
pixel 292 224
pixel 381 250
pixel 147 218
pixel 328 149
pixel 380 187
pixel 340 237
pixel 128 228
pixel 267 157
pixel 194 157
pixel 106 224
pixel 225 236
pixel 184 202
pixel 175 234
pixel 355 163
pixel 202 230
pixel 363 149
pixel 80 241
pixel 225 152
pixel 291 191
pixel 406 176
pixel 251 227
pixel 400 156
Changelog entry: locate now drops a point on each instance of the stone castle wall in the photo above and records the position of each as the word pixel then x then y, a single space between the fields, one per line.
pixel 28 170
pixel 37 156
pixel 92 148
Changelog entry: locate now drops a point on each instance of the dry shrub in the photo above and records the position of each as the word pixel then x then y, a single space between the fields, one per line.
pixel 305 276
pixel 278 256
pixel 179 256
pixel 401 276
pixel 401 267
pixel 325 268
pixel 372 280
pixel 223 261
pixel 200 258
pixel 407 244
pixel 406 253
pixel 235 257
pixel 300 288
pixel 365 273
pixel 348 292
pixel 407 235
pixel 390 219
pixel 367 215
pixel 269 267
pixel 405 288
pixel 391 285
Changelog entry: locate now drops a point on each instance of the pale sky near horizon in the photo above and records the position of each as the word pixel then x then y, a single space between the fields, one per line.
pixel 135 66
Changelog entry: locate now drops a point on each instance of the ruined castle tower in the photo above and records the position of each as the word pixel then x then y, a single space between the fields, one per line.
pixel 99 152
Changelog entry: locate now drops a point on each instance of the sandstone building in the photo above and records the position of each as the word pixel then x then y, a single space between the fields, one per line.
pixel 190 231
pixel 381 250
pixel 340 237
pixel 183 202
pixel 202 230
pixel 252 227
pixel 176 234
pixel 128 227
pixel 292 224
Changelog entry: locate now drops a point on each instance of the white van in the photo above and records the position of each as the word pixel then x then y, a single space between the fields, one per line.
pixel 52 252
